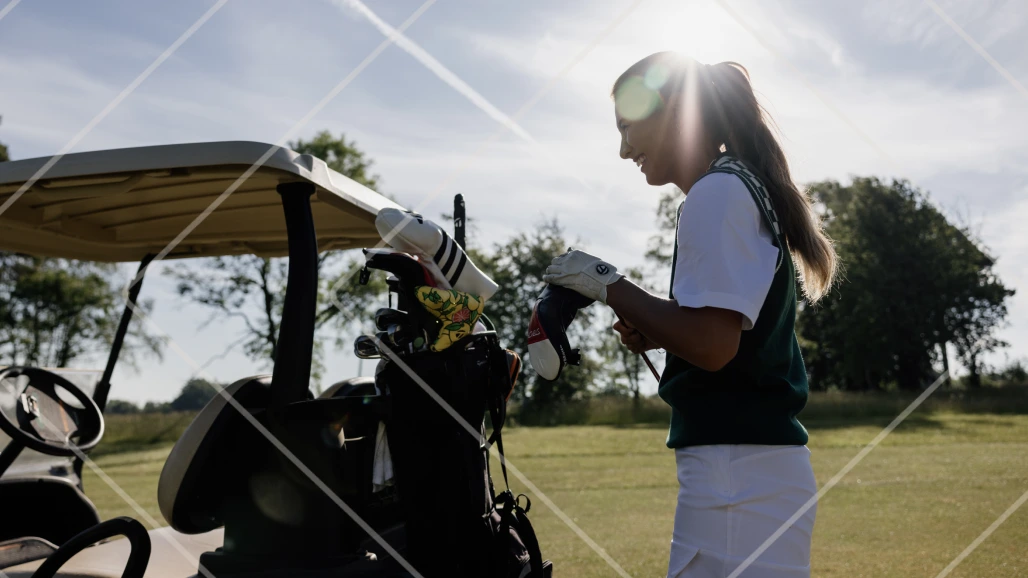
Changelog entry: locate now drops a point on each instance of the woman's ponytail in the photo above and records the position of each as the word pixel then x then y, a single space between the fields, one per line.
pixel 734 118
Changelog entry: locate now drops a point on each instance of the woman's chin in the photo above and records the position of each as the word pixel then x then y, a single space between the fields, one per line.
pixel 652 180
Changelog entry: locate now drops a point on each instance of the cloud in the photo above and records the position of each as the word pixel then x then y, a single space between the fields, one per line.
pixel 949 122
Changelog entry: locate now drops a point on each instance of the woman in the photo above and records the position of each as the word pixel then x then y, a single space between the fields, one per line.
pixel 734 377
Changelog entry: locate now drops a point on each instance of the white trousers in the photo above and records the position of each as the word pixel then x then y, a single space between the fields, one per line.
pixel 734 497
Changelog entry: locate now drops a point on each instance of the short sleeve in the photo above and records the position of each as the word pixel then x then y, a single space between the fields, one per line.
pixel 726 256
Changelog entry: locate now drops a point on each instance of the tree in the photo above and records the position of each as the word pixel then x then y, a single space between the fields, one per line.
pixel 156 407
pixel 1014 373
pixel 517 266
pixel 194 395
pixel 252 288
pixel 55 311
pixel 341 156
pixel 622 371
pixel 661 246
pixel 913 282
pixel 3 152
pixel 121 407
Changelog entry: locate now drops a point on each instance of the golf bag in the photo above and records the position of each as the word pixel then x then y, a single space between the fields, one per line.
pixel 456 525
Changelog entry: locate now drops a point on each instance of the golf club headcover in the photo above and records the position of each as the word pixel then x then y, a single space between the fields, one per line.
pixel 456 309
pixel 548 347
pixel 414 234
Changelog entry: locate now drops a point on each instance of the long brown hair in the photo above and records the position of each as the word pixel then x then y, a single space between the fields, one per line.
pixel 735 121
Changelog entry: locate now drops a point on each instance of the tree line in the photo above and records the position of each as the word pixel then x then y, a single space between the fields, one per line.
pixel 915 285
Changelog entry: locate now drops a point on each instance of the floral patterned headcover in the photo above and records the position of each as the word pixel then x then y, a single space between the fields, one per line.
pixel 456 309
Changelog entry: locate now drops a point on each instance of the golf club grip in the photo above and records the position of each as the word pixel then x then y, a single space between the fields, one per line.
pixel 459 221
pixel 645 357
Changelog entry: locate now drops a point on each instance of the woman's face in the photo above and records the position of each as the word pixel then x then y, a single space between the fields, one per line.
pixel 647 133
pixel 662 139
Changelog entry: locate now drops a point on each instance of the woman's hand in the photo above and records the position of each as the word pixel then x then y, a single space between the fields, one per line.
pixel 706 337
pixel 581 272
pixel 635 341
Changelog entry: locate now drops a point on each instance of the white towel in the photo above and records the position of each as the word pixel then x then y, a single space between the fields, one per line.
pixel 382 470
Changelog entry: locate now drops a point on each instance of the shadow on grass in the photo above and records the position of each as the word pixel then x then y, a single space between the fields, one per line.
pixel 913 422
pixel 824 410
pixel 821 423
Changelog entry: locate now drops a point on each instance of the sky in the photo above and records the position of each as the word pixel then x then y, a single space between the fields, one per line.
pixel 875 88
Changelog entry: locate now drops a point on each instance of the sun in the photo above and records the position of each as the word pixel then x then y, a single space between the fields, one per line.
pixel 701 30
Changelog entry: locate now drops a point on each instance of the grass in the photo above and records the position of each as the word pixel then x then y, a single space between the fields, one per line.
pixel 909 508
pixel 833 405
pixel 141 431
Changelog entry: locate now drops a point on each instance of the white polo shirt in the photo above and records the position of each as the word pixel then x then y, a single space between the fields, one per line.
pixel 726 257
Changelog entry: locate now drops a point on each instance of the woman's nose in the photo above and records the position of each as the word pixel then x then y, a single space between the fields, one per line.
pixel 626 151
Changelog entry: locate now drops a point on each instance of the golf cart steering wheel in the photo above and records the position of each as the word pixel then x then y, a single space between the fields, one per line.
pixel 43 419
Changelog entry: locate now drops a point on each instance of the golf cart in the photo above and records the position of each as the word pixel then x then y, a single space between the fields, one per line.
pixel 130 205
pixel 267 481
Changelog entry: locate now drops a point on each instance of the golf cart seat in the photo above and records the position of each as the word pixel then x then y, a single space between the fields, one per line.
pixel 45 507
pixel 40 513
pixel 195 469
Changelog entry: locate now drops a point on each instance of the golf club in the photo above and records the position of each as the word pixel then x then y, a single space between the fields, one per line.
pixel 386 316
pixel 644 356
pixel 364 347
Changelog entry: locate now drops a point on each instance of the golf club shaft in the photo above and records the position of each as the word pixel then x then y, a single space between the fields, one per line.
pixel 650 365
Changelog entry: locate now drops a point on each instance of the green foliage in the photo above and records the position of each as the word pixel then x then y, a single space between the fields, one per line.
pixel 661 246
pixel 4 156
pixel 623 372
pixel 55 311
pixel 1013 374
pixel 141 430
pixel 194 395
pixel 913 282
pixel 120 407
pixel 252 289
pixel 517 266
pixel 156 407
pixel 341 156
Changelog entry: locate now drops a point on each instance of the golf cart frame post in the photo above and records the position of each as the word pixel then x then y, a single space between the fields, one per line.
pixel 104 387
pixel 290 378
pixel 290 369
pixel 291 374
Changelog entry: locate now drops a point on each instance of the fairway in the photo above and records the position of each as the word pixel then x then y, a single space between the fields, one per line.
pixel 910 507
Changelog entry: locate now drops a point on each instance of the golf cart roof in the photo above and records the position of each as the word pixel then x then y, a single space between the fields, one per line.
pixel 123 204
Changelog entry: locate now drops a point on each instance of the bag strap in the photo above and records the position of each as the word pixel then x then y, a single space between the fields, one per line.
pixel 510 508
pixel 498 413
pixel 527 533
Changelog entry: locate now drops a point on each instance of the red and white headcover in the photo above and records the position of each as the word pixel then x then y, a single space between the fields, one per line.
pixel 548 347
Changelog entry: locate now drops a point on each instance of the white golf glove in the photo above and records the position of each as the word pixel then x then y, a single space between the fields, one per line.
pixel 583 273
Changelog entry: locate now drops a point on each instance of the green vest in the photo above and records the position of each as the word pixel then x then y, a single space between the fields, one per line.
pixel 756 397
